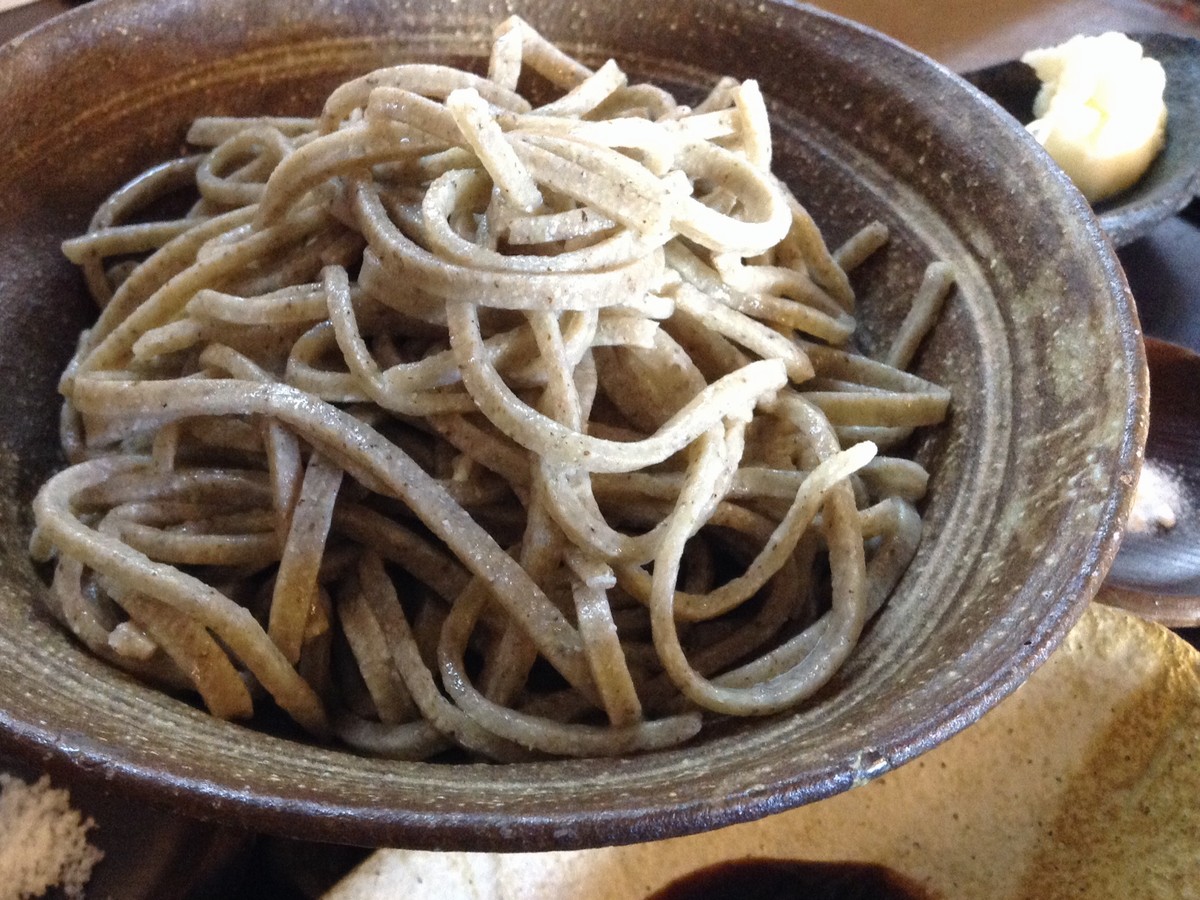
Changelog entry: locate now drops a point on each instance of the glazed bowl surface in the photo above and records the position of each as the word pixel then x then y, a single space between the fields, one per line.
pixel 1031 475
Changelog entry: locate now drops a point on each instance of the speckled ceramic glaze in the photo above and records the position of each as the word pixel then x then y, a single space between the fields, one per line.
pixel 1030 476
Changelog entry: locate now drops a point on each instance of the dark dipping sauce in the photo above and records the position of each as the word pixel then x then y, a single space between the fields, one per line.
pixel 777 879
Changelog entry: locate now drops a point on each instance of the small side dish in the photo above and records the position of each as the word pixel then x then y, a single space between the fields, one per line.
pixel 1100 112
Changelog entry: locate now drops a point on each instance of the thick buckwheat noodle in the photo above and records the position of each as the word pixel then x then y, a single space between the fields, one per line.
pixel 448 420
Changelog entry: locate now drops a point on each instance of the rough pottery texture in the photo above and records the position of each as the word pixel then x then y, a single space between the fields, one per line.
pixel 1039 346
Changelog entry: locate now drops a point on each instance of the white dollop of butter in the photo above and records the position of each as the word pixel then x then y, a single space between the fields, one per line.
pixel 1100 111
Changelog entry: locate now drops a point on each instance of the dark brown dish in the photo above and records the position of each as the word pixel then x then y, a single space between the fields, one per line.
pixel 1157 572
pixel 1040 348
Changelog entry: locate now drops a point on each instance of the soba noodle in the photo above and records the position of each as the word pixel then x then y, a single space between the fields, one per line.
pixel 448 420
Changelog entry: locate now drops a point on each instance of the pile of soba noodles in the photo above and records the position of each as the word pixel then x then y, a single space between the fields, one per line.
pixel 444 420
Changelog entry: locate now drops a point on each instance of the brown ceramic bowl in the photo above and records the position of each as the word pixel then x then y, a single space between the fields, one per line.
pixel 1031 475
